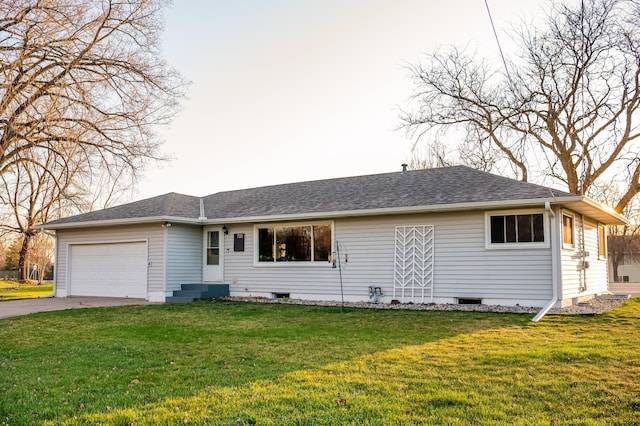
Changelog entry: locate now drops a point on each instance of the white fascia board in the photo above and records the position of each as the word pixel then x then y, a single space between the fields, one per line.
pixel 444 208
pixel 120 222
pixel 608 210
pixel 575 200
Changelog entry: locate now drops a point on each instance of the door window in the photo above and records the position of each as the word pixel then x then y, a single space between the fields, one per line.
pixel 213 248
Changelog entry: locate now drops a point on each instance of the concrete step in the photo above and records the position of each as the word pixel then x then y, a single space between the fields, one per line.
pixel 195 286
pixel 216 290
pixel 196 291
pixel 173 299
pixel 195 294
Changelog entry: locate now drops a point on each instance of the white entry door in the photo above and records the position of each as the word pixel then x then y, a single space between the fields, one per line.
pixel 213 254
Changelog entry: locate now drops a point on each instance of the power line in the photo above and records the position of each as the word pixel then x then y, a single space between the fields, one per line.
pixel 495 34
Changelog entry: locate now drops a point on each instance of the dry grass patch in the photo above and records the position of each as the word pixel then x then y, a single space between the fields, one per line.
pixel 12 290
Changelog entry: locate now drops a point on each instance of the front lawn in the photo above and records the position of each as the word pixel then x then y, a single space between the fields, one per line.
pixel 234 363
pixel 11 290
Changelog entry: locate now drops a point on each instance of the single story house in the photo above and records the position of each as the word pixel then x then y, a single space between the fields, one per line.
pixel 442 235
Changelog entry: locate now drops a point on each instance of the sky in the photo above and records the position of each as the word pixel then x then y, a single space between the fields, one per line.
pixel 294 90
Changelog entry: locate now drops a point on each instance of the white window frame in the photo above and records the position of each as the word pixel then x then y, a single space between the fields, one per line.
pixel 602 256
pixel 517 246
pixel 568 246
pixel 300 264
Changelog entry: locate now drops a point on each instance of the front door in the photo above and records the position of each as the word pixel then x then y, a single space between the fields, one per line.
pixel 213 254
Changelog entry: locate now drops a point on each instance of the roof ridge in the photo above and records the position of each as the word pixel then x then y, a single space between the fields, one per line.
pixel 399 173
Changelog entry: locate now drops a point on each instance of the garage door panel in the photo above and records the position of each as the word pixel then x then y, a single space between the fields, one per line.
pixel 109 270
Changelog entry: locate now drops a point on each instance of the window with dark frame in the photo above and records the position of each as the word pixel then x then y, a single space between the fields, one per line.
pixel 517 228
pixel 294 243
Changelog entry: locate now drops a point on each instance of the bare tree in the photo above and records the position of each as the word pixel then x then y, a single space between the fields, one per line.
pixel 3 255
pixel 83 77
pixel 623 244
pixel 40 256
pixel 433 155
pixel 82 90
pixel 40 190
pixel 567 107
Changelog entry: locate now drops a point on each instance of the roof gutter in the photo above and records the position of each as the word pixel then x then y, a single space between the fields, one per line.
pixel 117 222
pixel 444 208
pixel 555 264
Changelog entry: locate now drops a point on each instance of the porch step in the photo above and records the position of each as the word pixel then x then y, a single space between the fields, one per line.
pixel 178 299
pixel 190 292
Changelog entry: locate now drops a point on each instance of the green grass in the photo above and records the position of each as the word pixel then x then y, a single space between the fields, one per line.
pixel 11 290
pixel 233 363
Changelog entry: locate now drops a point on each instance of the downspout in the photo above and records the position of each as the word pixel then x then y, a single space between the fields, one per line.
pixel 165 257
pixel 583 257
pixel 55 261
pixel 555 264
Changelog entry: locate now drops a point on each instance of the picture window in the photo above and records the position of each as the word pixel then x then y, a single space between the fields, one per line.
pixel 294 243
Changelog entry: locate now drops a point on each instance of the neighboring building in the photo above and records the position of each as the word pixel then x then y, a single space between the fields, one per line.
pixel 447 235
pixel 628 265
pixel 628 271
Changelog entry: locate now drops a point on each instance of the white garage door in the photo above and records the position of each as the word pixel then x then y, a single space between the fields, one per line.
pixel 109 270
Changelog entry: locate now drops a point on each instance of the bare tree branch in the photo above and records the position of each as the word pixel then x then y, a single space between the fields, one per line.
pixel 567 108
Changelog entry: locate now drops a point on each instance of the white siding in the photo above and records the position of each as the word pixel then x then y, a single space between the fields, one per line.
pixel 152 233
pixel 630 269
pixel 579 282
pixel 184 256
pixel 464 268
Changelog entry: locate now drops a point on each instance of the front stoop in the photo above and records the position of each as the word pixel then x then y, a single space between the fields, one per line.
pixel 190 292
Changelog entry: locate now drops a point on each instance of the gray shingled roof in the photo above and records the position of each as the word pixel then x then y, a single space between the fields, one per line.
pixel 167 205
pixel 430 187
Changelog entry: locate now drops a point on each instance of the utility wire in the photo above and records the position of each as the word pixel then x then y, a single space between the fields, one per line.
pixel 495 34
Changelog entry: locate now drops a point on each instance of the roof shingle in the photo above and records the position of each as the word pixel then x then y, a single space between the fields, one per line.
pixel 429 187
pixel 416 188
pixel 171 204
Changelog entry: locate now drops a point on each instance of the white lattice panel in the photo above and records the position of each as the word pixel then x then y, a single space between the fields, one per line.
pixel 413 270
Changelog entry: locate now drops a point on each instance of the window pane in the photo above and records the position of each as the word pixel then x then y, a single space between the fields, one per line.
pixel 497 229
pixel 525 234
pixel 538 228
pixel 214 239
pixel 293 244
pixel 510 228
pixel 213 256
pixel 567 229
pixel 321 242
pixel 265 245
pixel 601 239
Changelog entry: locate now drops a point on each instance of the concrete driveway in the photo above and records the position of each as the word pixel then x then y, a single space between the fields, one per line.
pixel 15 308
pixel 632 289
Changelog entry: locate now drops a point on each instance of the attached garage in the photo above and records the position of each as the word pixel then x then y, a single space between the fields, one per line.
pixel 108 269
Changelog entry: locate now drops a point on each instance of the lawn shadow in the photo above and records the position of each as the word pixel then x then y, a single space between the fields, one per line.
pixel 132 359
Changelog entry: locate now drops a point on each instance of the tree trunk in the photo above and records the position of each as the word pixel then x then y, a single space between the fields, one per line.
pixel 615 261
pixel 22 257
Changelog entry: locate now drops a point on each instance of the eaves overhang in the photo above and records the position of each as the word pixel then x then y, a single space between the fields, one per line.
pixel 577 203
pixel 590 208
pixel 120 222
